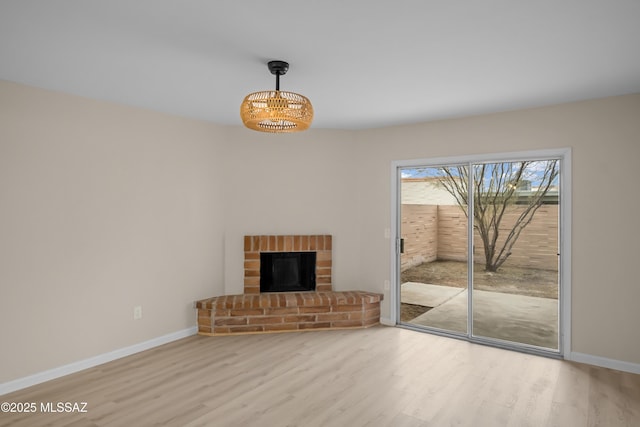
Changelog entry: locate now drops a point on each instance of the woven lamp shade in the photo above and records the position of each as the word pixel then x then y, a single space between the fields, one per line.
pixel 276 111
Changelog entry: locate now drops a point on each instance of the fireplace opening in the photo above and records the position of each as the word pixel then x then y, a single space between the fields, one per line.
pixel 287 271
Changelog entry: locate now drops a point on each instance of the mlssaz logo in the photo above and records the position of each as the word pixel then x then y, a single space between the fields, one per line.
pixel 80 407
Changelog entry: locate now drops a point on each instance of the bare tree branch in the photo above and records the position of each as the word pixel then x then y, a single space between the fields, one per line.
pixel 496 188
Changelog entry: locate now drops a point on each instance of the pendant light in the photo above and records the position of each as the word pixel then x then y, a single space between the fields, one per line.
pixel 275 110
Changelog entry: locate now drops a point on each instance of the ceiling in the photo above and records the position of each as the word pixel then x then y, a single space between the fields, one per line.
pixel 363 63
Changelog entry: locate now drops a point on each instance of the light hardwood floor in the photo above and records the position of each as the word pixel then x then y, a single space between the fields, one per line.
pixel 381 376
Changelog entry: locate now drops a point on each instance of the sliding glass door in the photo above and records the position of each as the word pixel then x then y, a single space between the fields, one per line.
pixel 478 250
pixel 434 270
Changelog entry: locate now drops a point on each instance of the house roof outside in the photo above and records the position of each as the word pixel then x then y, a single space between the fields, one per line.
pixel 429 191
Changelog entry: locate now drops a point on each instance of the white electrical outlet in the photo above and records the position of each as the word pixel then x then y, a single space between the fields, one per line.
pixel 387 233
pixel 387 285
pixel 137 312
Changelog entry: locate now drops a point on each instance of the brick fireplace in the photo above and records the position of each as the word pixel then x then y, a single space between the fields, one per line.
pixel 254 245
pixel 255 312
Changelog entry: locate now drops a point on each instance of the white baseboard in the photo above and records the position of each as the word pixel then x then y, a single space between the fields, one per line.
pixel 604 362
pixel 80 365
pixel 387 322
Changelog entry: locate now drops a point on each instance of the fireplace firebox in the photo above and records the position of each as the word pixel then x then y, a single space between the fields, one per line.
pixel 287 271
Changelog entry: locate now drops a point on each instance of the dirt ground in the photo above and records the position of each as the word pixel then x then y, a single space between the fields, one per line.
pixel 511 280
pixel 409 312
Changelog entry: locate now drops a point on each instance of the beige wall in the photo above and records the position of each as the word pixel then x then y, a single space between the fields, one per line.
pixel 605 138
pixel 292 184
pixel 103 207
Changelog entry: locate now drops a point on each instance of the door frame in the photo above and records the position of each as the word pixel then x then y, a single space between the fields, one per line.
pixel 564 237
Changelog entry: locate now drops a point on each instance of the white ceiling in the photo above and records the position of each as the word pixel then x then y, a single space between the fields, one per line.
pixel 363 63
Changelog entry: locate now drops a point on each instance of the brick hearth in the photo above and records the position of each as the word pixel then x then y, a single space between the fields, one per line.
pixel 287 311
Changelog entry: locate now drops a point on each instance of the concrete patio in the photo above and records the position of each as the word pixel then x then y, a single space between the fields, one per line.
pixel 515 318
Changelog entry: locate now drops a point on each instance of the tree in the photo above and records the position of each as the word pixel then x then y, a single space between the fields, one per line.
pixel 495 189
